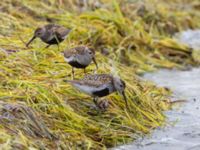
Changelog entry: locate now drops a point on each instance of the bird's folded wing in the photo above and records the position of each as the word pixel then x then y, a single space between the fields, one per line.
pixel 103 78
pixel 80 50
pixel 74 51
pixel 93 83
pixel 88 83
pixel 69 53
pixel 62 32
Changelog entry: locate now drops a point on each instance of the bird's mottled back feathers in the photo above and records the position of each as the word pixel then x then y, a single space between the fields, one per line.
pixel 58 30
pixel 69 53
pixel 62 32
pixel 96 81
pixel 98 78
pixel 86 83
pixel 74 51
pixel 51 26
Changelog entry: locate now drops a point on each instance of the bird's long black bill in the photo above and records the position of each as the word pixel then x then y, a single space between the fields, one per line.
pixel 94 60
pixel 125 99
pixel 31 40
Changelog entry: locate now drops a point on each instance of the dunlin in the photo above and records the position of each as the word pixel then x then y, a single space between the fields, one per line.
pixel 50 34
pixel 100 85
pixel 80 57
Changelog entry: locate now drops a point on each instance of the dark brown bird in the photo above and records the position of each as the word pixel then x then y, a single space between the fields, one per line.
pixel 100 85
pixel 50 34
pixel 80 57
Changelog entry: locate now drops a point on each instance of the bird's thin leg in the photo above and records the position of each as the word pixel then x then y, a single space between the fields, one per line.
pixel 72 72
pixel 57 41
pixel 84 70
pixel 47 46
pixel 95 101
pixel 58 47
pixel 94 60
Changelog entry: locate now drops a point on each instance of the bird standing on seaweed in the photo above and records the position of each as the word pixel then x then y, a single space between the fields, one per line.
pixel 100 85
pixel 51 34
pixel 80 57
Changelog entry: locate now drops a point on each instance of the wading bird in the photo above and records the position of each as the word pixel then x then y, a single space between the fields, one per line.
pixel 80 57
pixel 100 85
pixel 51 34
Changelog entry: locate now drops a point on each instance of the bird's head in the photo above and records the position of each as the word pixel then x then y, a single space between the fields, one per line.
pixel 120 86
pixel 90 51
pixel 39 32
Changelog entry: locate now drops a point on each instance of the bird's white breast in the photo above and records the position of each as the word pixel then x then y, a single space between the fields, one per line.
pixel 69 59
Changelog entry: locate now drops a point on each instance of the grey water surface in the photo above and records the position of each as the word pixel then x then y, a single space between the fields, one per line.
pixel 183 129
pixel 184 134
pixel 189 37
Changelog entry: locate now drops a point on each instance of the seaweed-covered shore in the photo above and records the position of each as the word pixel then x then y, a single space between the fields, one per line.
pixel 40 111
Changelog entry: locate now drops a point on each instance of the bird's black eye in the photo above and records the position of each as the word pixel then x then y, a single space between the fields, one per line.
pixel 90 53
pixel 121 85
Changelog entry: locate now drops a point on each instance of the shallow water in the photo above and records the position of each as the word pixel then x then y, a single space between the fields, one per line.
pixel 185 133
pixel 189 37
pixel 183 129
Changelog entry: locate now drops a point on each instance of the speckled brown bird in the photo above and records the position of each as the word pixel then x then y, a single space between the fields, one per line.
pixel 80 57
pixel 100 85
pixel 50 34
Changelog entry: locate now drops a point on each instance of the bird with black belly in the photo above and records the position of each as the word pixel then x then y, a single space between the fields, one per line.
pixel 51 34
pixel 100 85
pixel 80 57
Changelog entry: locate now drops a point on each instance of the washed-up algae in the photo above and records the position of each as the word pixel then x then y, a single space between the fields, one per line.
pixel 40 111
